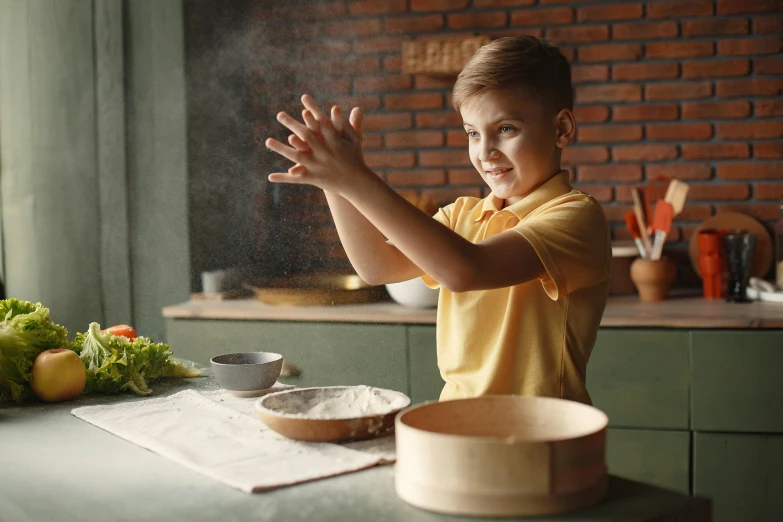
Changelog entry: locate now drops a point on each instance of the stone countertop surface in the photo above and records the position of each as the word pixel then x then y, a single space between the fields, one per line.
pixel 59 467
pixel 685 311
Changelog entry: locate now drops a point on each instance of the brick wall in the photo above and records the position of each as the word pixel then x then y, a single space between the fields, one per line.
pixel 687 88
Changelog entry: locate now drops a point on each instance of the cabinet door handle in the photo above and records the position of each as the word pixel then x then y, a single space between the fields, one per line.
pixel 290 370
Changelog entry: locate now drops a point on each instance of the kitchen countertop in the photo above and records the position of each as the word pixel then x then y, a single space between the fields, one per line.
pixel 58 467
pixel 621 311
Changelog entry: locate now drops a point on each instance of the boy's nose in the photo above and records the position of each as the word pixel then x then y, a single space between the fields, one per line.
pixel 488 152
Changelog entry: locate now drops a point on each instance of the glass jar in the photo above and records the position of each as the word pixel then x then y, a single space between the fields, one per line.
pixel 779 250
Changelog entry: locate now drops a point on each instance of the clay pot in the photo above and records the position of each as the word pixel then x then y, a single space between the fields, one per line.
pixel 653 278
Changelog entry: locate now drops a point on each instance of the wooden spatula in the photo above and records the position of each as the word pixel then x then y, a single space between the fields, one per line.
pixel 662 223
pixel 633 227
pixel 639 211
pixel 676 195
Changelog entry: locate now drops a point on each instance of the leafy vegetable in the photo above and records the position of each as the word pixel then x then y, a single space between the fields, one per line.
pixel 25 331
pixel 115 363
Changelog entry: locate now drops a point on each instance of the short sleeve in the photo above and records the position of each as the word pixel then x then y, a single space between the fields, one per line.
pixel 442 216
pixel 573 241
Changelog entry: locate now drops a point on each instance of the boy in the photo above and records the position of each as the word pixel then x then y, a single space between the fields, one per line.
pixel 524 272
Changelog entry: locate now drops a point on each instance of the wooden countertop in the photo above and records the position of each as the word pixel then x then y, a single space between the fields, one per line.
pixel 624 311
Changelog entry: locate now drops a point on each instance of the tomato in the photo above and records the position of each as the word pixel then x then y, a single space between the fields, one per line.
pixel 123 330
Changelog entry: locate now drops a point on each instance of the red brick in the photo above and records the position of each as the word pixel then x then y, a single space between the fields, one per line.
pixel 392 63
pixel 750 130
pixel 693 212
pixel 616 213
pixel 757 210
pixel 749 87
pixel 419 177
pixel 768 150
pixel 751 46
pixel 713 151
pixel 383 83
pixel 715 27
pixel 413 101
pixel 751 170
pixel 644 71
pixel 764 108
pixel 602 193
pixel 444 158
pixel 438 5
pixel 502 3
pixel 550 16
pixel 768 66
pixel 588 173
pixel 351 27
pixel 768 25
pixel 608 92
pixel 719 191
pixel 679 8
pixel 767 191
pixel 680 49
pixel 319 11
pixel 414 24
pixel 438 119
pixel 426 82
pixel 644 112
pixel 589 73
pixel 712 68
pixel 652 152
pixel 644 30
pixel 577 33
pixel 444 196
pixel 377 7
pixel 608 12
pixel 678 90
pixel 414 139
pixel 464 177
pixel 719 110
pixel 466 21
pixel 377 45
pixel 679 131
pixel 386 121
pixel 749 6
pixel 609 52
pixel 371 141
pixel 575 155
pixel 456 138
pixel 679 171
pixel 367 103
pixel 591 114
pixel 389 159
pixel 608 133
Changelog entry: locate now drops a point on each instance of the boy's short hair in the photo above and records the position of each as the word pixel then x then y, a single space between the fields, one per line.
pixel 518 62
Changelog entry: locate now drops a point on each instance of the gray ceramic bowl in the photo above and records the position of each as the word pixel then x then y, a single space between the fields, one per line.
pixel 247 371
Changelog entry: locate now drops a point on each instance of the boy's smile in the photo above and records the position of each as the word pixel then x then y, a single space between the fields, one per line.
pixel 513 142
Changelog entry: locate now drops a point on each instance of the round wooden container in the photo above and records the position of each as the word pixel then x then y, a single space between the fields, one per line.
pixel 501 456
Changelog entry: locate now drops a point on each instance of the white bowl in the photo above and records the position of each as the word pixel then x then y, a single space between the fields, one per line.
pixel 413 293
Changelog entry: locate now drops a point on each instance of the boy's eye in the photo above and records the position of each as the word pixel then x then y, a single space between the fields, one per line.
pixel 471 134
pixel 506 128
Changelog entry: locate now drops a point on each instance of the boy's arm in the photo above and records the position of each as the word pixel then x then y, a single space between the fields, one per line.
pixel 334 163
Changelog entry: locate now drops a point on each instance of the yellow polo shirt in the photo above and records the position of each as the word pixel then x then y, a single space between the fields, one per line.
pixel 534 338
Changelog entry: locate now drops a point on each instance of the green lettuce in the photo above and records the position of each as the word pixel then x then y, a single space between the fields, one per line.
pixel 115 363
pixel 25 331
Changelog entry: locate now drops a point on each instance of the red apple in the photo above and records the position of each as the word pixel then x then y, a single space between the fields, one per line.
pixel 58 375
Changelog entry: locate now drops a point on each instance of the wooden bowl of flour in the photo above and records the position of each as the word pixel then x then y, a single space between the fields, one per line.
pixel 332 413
pixel 501 456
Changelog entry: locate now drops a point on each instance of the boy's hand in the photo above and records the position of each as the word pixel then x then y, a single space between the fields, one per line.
pixel 327 153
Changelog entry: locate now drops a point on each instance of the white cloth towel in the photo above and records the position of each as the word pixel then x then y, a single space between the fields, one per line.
pixel 218 435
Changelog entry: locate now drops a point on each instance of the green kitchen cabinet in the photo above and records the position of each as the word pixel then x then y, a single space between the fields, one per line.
pixel 426 382
pixel 742 474
pixel 736 376
pixel 659 457
pixel 640 378
pixel 327 354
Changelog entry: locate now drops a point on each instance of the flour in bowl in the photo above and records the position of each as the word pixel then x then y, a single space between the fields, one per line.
pixel 336 402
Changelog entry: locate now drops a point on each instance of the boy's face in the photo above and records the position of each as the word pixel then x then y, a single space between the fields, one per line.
pixel 513 142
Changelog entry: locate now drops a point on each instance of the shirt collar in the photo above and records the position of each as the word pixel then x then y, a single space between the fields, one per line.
pixel 555 186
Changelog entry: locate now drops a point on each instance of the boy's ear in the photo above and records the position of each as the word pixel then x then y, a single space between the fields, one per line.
pixel 565 124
